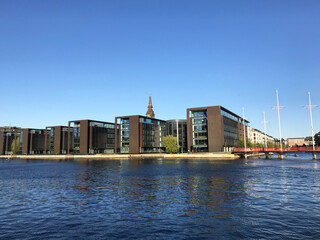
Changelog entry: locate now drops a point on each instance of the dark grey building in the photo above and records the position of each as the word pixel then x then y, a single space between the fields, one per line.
pixel 33 141
pixel 9 137
pixel 139 134
pixel 178 128
pixel 56 141
pixel 91 137
pixel 213 129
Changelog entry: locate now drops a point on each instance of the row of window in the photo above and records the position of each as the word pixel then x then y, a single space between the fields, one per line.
pixel 199 114
pixel 102 125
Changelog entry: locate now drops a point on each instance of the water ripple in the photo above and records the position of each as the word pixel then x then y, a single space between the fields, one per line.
pixel 160 199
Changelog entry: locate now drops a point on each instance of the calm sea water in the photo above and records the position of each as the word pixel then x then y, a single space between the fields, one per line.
pixel 160 199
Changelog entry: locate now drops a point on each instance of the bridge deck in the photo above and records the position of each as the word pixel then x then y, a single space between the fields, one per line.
pixel 277 150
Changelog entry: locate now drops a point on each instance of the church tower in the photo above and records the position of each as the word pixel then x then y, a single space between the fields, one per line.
pixel 150 112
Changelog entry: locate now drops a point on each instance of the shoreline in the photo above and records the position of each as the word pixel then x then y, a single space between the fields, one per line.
pixel 213 156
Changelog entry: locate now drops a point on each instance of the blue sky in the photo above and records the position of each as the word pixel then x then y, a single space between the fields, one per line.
pixel 70 60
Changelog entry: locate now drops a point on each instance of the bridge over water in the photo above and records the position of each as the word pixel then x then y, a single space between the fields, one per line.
pixel 281 151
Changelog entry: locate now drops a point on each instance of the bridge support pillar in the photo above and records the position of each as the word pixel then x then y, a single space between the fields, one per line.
pixel 314 155
pixel 281 156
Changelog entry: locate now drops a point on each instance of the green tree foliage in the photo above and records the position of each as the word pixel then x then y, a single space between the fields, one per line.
pixel 270 144
pixel 15 146
pixel 240 143
pixel 170 144
pixel 249 144
pixel 257 145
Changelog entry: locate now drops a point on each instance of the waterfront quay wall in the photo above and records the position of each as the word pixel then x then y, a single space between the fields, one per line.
pixel 217 156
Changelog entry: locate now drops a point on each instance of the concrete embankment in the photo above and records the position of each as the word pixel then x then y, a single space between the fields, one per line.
pixel 216 156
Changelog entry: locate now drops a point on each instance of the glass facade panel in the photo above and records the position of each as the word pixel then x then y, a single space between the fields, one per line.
pixel 51 140
pixel 229 115
pixel 124 135
pixel 38 140
pixel 65 139
pixel 11 139
pixel 21 140
pixel 102 137
pixel 230 128
pixel 75 143
pixel 199 131
pixel 153 132
pixel 178 128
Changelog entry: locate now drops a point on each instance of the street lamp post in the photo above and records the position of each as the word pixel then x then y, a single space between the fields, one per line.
pixel 278 108
pixel 310 106
pixel 244 134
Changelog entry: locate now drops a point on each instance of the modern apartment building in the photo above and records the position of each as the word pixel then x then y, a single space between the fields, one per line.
pixel 139 134
pixel 213 129
pixel 33 141
pixel 9 138
pixel 56 141
pixel 178 128
pixel 91 137
pixel 8 129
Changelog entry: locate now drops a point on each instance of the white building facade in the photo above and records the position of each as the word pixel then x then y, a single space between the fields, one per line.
pixel 256 136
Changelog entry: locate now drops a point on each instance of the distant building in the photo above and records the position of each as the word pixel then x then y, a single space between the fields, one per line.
pixel 140 134
pixel 308 141
pixel 284 142
pixel 90 137
pixel 178 128
pixel 292 142
pixel 56 141
pixel 256 136
pixel 317 139
pixel 213 129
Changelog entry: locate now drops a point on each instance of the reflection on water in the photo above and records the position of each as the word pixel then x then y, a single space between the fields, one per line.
pixel 160 199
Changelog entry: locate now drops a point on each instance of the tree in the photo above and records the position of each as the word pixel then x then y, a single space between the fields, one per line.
pixel 240 143
pixel 249 143
pixel 170 144
pixel 260 145
pixel 15 145
pixel 270 144
pixel 317 139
